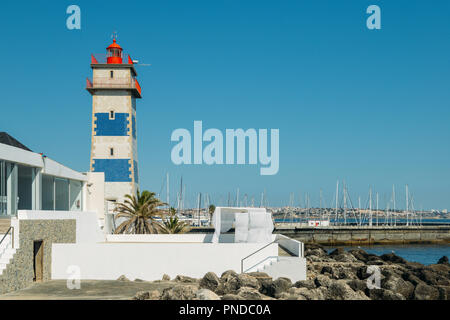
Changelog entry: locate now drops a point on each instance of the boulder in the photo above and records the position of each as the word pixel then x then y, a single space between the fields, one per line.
pixel 444 292
pixel 142 295
pixel 357 285
pixel 337 252
pixel 245 280
pixel 228 284
pixel 393 258
pixel 205 294
pixel 383 294
pixel 166 277
pixel 411 277
pixel 276 287
pixel 210 281
pixel 231 297
pixel 443 260
pixel 123 278
pixel 345 257
pixel 262 277
pixel 327 269
pixel 360 254
pixel 398 285
pixel 305 294
pixel 248 293
pixel 185 279
pixel 340 290
pixel 308 284
pixel 322 281
pixel 426 292
pixel 432 277
pixel 180 292
pixel 229 273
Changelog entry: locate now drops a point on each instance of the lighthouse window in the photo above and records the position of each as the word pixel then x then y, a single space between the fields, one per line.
pixel 111 151
pixel 112 74
pixel 111 115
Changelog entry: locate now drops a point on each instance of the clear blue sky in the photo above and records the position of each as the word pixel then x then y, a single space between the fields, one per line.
pixel 370 107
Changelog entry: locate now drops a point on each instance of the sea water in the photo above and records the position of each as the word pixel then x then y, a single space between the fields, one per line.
pixel 423 253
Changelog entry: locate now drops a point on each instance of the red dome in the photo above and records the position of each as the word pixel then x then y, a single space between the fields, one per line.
pixel 114 45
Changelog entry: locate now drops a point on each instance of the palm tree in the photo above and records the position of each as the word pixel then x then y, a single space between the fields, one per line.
pixel 140 212
pixel 173 225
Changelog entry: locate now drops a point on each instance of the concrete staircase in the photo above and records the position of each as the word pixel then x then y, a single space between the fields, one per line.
pixel 6 250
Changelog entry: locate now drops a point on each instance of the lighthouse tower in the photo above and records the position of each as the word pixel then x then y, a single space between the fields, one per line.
pixel 114 89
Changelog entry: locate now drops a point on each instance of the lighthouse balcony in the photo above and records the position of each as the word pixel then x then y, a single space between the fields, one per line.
pixel 100 83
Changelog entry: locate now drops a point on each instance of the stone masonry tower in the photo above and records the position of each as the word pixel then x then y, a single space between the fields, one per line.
pixel 114 91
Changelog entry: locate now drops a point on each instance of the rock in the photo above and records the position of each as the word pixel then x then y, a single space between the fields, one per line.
pixel 123 278
pixel 314 258
pixel 228 284
pixel 262 277
pixel 327 269
pixel 431 277
pixel 185 279
pixel 138 280
pixel 357 285
pixel 142 295
pixel 322 281
pixel 309 284
pixel 244 280
pixel 409 276
pixel 166 277
pixel 393 258
pixel 147 295
pixel 443 260
pixel 307 294
pixel 248 293
pixel 345 257
pixel 210 281
pixel 362 274
pixel 383 294
pixel 205 294
pixel 276 287
pixel 231 297
pixel 315 249
pixel 340 290
pixel 444 292
pixel 398 285
pixel 337 252
pixel 229 273
pixel 179 292
pixel 426 292
pixel 360 254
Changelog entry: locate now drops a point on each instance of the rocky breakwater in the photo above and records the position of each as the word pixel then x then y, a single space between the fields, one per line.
pixel 340 275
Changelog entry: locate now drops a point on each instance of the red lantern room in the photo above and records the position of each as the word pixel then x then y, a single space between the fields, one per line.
pixel 114 53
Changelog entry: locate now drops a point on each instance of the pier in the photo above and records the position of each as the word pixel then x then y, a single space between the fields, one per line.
pixel 364 235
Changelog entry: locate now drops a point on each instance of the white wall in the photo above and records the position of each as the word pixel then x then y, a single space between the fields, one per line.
pixel 293 246
pixel 150 261
pixel 94 192
pixel 87 228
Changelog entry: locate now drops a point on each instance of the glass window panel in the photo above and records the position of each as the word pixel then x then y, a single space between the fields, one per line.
pixel 62 194
pixel 75 195
pixel 25 183
pixel 47 192
pixel 3 194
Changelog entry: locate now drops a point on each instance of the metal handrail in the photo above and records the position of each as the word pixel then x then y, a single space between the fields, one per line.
pixel 242 261
pixel 12 236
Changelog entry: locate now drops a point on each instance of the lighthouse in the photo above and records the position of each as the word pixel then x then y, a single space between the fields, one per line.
pixel 114 89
